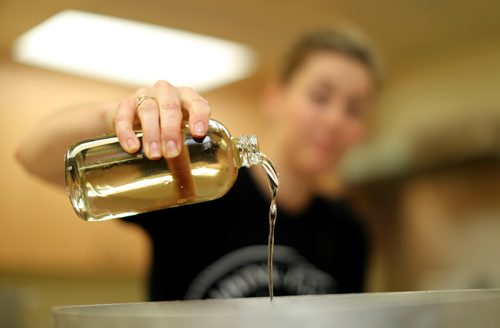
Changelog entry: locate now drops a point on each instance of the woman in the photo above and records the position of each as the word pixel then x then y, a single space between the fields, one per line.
pixel 218 248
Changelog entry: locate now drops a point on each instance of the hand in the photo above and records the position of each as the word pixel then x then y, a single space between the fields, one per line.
pixel 160 120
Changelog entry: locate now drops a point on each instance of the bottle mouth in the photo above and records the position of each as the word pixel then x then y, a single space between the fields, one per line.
pixel 248 148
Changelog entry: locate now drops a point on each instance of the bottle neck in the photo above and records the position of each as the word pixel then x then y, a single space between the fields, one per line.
pixel 248 152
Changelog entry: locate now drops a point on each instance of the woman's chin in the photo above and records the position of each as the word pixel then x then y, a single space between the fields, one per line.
pixel 316 166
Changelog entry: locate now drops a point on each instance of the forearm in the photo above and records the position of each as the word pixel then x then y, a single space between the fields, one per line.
pixel 160 120
pixel 43 149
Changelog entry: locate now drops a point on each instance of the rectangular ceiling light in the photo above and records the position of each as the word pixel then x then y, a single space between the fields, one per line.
pixel 132 53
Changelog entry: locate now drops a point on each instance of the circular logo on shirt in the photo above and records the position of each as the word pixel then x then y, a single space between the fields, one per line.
pixel 243 273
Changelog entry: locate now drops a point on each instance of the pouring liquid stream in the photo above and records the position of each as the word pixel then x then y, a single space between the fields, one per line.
pixel 272 175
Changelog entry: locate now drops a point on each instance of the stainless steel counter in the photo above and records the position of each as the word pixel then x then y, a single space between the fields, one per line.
pixel 461 308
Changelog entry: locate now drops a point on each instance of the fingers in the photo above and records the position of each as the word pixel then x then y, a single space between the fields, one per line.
pixel 123 124
pixel 170 120
pixel 160 116
pixel 148 113
pixel 198 109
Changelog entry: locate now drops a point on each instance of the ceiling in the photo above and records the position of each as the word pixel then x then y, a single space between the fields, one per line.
pixel 401 29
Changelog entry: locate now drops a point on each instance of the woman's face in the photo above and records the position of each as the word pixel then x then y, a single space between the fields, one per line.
pixel 322 110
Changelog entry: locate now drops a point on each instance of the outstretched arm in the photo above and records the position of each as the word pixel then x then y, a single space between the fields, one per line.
pixel 159 116
pixel 42 151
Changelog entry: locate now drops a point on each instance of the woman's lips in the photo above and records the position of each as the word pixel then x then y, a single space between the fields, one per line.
pixel 326 146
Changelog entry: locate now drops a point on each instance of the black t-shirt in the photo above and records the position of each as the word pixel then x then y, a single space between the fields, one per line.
pixel 219 248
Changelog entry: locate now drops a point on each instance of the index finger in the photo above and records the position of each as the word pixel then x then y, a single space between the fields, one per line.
pixel 123 123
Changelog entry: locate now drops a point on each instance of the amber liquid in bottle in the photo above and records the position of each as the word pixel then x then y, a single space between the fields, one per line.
pixel 105 182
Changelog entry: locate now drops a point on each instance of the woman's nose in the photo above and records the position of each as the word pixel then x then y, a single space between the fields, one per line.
pixel 334 116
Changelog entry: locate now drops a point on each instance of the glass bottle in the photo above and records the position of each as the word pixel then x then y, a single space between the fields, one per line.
pixel 105 182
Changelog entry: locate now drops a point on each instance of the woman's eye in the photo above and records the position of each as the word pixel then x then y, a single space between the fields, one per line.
pixel 319 98
pixel 354 111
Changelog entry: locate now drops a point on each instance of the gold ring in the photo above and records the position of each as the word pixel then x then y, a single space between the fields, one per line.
pixel 140 99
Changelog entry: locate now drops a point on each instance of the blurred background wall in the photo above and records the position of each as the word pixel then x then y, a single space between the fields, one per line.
pixel 427 179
